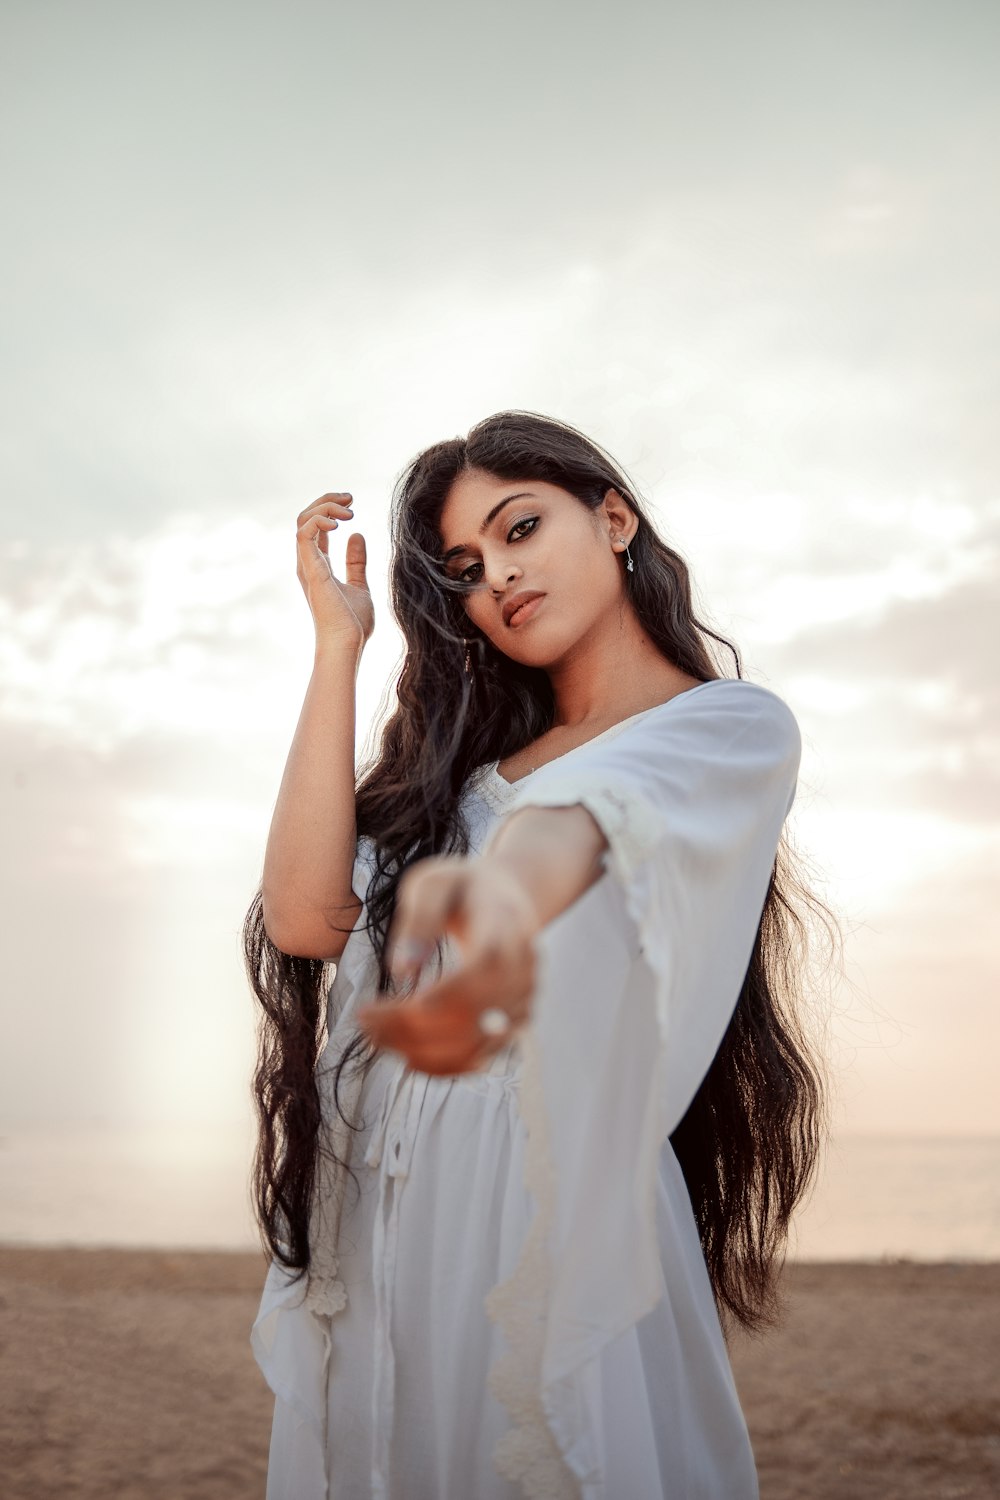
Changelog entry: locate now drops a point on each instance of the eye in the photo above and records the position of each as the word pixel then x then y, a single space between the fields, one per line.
pixel 530 521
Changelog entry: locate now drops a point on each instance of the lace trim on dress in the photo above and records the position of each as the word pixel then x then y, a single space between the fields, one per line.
pixel 487 782
pixel 326 1294
pixel 527 1454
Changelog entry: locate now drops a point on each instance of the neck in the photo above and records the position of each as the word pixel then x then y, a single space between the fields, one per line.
pixel 610 674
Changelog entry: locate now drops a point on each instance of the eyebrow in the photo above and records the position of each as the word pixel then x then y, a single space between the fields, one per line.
pixel 521 495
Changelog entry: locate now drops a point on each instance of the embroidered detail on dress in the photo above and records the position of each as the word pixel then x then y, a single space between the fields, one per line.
pixel 327 1299
pixel 527 1453
pixel 326 1294
pixel 486 782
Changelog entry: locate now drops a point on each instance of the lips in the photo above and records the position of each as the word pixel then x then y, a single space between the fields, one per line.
pixel 515 602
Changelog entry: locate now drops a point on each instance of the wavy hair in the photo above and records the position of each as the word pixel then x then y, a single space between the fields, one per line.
pixel 749 1144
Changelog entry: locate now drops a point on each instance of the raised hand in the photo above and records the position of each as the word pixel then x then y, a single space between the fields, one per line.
pixel 487 910
pixel 340 611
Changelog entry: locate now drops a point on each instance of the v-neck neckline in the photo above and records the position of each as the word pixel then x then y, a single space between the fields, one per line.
pixel 492 767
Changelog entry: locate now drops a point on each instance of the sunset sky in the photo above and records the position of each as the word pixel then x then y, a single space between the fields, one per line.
pixel 255 253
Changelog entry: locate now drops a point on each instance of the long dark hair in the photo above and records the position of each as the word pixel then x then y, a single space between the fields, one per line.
pixel 749 1143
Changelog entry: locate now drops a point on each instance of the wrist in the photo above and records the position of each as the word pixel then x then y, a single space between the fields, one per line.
pixel 512 871
pixel 555 854
pixel 339 649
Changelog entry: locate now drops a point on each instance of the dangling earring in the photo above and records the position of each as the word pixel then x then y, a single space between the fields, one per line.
pixel 630 564
pixel 480 656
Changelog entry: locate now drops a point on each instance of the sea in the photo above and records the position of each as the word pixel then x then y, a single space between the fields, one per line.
pixel 876 1198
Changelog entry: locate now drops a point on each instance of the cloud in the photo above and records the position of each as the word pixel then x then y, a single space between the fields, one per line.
pixel 166 632
pixel 923 729
pixel 219 312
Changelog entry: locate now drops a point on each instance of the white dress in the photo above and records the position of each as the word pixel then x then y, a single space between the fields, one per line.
pixel 518 1305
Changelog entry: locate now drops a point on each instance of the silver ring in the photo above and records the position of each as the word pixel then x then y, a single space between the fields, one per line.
pixel 494 1022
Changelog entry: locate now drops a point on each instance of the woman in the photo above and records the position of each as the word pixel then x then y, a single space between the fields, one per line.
pixel 560 1062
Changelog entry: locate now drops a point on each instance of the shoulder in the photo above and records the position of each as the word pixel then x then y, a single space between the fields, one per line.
pixel 724 751
pixel 725 710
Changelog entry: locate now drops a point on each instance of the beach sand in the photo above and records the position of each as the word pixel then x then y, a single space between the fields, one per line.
pixel 129 1374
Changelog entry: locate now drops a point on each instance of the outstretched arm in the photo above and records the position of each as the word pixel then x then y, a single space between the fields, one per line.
pixel 540 861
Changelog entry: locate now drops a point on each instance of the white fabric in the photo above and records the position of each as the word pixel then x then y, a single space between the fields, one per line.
pixel 518 1304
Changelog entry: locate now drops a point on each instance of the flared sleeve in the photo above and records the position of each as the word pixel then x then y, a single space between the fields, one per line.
pixel 637 982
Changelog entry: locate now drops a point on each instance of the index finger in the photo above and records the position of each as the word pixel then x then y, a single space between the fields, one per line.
pixel 428 896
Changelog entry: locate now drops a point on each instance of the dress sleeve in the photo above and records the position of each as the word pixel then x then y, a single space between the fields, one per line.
pixel 637 982
pixel 692 800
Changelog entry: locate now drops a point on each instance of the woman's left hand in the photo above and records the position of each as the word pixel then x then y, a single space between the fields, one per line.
pixel 482 904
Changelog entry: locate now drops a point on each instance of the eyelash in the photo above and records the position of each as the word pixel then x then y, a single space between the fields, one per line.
pixel 531 521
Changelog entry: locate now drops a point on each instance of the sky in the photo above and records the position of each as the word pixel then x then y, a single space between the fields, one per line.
pixel 261 252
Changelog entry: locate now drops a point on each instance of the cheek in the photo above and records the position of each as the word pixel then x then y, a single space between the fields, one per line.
pixel 478 610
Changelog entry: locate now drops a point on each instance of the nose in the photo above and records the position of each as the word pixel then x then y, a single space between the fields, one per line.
pixel 512 573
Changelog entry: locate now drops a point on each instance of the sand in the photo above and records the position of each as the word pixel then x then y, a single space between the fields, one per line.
pixel 129 1374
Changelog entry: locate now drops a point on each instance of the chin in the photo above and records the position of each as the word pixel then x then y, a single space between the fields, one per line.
pixel 527 646
pixel 532 654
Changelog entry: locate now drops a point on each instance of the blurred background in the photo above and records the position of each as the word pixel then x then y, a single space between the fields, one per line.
pixel 257 253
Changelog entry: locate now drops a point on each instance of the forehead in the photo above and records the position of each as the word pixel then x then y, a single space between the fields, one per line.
pixel 473 495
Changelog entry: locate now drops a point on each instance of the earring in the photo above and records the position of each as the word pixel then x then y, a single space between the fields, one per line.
pixel 476 643
pixel 630 564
